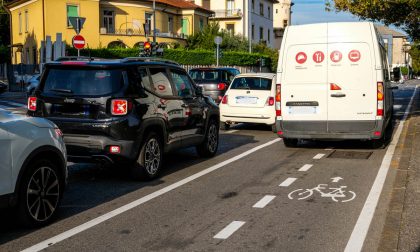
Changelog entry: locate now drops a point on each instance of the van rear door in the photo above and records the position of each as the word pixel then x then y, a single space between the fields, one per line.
pixel 352 89
pixel 304 84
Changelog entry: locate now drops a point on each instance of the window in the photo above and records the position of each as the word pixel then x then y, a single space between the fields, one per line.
pixel 204 75
pixel 20 23
pixel 269 12
pixel 284 23
pixel 161 84
pixel 72 11
pixel 171 24
pixel 268 35
pixel 148 24
pixel 108 21
pixel 201 24
pixel 182 83
pixel 230 6
pixel 261 33
pixel 252 31
pixel 230 28
pixel 252 83
pixel 26 21
pixel 253 5
pixel 261 9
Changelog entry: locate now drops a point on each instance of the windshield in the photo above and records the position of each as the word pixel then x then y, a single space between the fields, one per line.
pixel 251 83
pixel 204 75
pixel 94 82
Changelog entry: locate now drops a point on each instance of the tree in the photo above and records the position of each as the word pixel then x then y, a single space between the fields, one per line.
pixel 402 13
pixel 415 55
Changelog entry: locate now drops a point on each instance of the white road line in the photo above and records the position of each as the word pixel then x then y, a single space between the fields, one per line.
pixel 319 156
pixel 98 220
pixel 361 228
pixel 264 201
pixel 306 167
pixel 229 230
pixel 329 149
pixel 287 182
pixel 231 131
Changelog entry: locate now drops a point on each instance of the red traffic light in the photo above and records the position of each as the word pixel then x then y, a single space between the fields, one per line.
pixel 147 45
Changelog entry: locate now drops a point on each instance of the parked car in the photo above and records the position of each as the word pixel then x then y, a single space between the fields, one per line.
pixel 128 111
pixel 249 99
pixel 333 83
pixel 32 84
pixel 3 87
pixel 33 170
pixel 214 81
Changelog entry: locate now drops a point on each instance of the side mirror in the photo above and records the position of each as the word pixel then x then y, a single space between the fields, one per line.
pixel 199 91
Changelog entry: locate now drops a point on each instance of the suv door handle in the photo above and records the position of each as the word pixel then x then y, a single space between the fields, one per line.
pixel 338 95
pixel 162 106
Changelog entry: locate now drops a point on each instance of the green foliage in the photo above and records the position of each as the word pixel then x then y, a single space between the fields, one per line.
pixel 404 70
pixel 4 54
pixel 402 13
pixel 415 55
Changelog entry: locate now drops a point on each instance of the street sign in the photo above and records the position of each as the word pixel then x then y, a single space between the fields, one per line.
pixel 79 42
pixel 218 40
pixel 77 23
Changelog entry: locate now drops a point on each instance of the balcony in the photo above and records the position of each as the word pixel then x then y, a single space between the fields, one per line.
pixel 140 32
pixel 227 14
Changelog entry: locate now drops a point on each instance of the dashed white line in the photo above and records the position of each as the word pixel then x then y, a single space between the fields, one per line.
pixel 98 220
pixel 319 156
pixel 287 182
pixel 264 201
pixel 229 230
pixel 306 167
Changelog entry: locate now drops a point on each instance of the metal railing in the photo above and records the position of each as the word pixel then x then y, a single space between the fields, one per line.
pixel 232 13
pixel 139 32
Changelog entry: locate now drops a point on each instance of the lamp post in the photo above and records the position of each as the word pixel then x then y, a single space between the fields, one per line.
pixel 154 21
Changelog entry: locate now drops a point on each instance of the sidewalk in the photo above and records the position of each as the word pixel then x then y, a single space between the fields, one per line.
pixel 402 225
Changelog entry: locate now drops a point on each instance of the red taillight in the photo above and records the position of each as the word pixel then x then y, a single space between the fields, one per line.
pixel 58 132
pixel 270 101
pixel 115 149
pixel 377 133
pixel 32 103
pixel 225 99
pixel 380 99
pixel 278 100
pixel 119 107
pixel 221 86
pixel 334 86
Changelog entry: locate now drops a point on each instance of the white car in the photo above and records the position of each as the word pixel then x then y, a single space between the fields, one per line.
pixel 249 99
pixel 33 167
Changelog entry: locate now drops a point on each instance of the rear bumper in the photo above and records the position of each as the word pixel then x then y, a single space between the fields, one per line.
pixel 85 148
pixel 312 130
pixel 234 118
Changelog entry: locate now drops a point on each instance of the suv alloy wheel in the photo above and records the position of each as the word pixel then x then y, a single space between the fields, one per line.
pixel 211 141
pixel 149 162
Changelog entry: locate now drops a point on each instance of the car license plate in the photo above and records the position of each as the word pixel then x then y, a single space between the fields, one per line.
pixel 246 100
pixel 302 110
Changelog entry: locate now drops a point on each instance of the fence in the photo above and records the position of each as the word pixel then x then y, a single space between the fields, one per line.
pixel 242 69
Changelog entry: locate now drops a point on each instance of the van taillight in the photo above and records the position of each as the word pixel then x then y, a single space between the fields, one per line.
pixel 225 99
pixel 380 99
pixel 278 100
pixel 119 107
pixel 270 101
pixel 32 103
pixel 221 86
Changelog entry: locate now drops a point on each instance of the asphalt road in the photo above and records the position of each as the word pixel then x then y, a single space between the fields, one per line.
pixel 255 195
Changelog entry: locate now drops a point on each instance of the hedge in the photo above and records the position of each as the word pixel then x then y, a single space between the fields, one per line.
pixel 182 56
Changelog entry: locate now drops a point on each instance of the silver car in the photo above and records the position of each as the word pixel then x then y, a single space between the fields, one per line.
pixel 33 167
pixel 33 83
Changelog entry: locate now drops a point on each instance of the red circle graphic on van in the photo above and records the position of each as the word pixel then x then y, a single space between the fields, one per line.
pixel 301 57
pixel 354 55
pixel 318 56
pixel 161 87
pixel 336 56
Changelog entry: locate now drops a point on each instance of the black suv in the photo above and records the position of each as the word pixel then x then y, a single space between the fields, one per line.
pixel 215 81
pixel 126 111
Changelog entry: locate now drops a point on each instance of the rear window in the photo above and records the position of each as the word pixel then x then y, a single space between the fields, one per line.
pixel 251 83
pixel 204 75
pixel 82 82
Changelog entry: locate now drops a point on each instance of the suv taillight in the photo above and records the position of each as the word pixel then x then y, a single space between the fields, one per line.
pixel 380 99
pixel 278 100
pixel 225 99
pixel 221 86
pixel 32 103
pixel 119 107
pixel 270 101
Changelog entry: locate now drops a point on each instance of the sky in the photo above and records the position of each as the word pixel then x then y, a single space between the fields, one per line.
pixel 313 11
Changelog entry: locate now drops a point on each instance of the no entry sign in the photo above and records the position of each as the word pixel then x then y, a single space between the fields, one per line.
pixel 79 42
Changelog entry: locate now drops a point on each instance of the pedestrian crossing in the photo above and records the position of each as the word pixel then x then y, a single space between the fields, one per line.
pixel 13 107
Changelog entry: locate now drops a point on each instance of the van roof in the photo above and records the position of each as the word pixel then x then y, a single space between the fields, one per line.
pixel 262 75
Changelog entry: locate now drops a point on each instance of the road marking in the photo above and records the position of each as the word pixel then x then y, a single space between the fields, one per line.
pixel 229 230
pixel 337 194
pixel 361 228
pixel 287 182
pixel 264 201
pixel 98 220
pixel 231 131
pixel 306 167
pixel 318 156
pixel 329 149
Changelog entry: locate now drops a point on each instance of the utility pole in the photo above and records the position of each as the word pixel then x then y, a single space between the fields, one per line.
pixel 249 27
pixel 154 21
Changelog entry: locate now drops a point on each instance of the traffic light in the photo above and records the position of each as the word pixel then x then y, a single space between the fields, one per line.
pixel 150 49
pixel 147 49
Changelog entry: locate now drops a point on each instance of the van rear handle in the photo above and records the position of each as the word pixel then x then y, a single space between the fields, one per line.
pixel 338 95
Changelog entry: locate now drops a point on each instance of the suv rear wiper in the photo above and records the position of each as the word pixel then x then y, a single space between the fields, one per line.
pixel 60 90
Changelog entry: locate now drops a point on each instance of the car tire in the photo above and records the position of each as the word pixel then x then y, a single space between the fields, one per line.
pixel 224 126
pixel 208 147
pixel 40 194
pixel 149 161
pixel 290 142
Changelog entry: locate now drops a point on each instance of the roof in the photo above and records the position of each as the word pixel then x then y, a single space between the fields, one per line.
pixel 384 30
pixel 212 68
pixel 182 4
pixel 263 75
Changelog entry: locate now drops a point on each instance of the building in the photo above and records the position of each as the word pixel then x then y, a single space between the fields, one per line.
pixel 282 18
pixel 397 46
pixel 249 18
pixel 122 23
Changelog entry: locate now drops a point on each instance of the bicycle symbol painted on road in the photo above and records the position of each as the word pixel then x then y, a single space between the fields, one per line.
pixel 337 194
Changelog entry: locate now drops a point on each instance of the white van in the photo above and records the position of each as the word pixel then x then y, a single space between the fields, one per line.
pixel 333 82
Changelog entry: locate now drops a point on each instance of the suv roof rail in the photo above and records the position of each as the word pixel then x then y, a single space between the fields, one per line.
pixel 148 59
pixel 80 58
